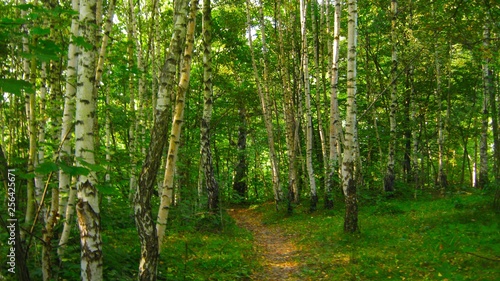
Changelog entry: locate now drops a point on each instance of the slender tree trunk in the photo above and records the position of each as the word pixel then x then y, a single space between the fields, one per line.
pixel 206 153
pixel 264 99
pixel 87 207
pixel 65 154
pixel 483 146
pixel 240 182
pixel 336 134
pixel 51 215
pixel 348 164
pixel 290 119
pixel 320 86
pixel 178 120
pixel 390 174
pixel 307 93
pixel 442 181
pixel 414 133
pixel 132 132
pixel 142 201
pixel 30 75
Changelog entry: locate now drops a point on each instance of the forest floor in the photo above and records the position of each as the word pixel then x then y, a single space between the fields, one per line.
pixel 278 254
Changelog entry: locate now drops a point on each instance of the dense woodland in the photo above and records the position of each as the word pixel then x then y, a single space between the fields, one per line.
pixel 147 115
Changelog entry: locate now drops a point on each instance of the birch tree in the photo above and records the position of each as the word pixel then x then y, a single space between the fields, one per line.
pixel 336 133
pixel 307 93
pixel 483 145
pixel 87 206
pixel 206 153
pixel 143 217
pixel 390 175
pixel 67 191
pixel 178 120
pixel 291 126
pixel 264 100
pixel 349 180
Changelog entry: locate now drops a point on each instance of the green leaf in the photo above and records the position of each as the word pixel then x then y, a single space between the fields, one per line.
pixel 46 168
pixel 40 31
pixel 73 170
pixel 25 7
pixel 92 167
pixel 15 86
pixel 80 41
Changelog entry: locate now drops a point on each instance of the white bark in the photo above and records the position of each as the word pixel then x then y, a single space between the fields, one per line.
pixel 349 160
pixel 307 92
pixel 390 173
pixel 264 100
pixel 168 183
pixel 88 201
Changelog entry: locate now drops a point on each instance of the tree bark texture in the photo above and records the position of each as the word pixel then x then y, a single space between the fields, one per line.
pixel 349 180
pixel 264 100
pixel 87 207
pixel 175 134
pixel 147 179
pixel 390 173
pixel 206 153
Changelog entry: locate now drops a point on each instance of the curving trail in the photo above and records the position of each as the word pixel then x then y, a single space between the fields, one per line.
pixel 276 250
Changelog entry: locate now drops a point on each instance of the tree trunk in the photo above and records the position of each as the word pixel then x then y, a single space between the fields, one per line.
pixel 320 86
pixel 206 153
pixel 348 164
pixel 67 190
pixel 87 207
pixel 336 134
pixel 175 134
pixel 264 100
pixel 483 146
pixel 240 183
pixel 147 179
pixel 132 131
pixel 307 93
pixel 290 120
pixel 390 175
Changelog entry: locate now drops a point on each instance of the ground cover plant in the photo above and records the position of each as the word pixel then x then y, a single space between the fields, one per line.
pixel 452 237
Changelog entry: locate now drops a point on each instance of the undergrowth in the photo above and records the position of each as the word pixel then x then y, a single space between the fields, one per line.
pixel 454 236
pixel 196 247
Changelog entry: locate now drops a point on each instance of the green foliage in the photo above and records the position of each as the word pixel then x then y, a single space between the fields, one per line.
pixel 454 237
pixel 214 248
pixel 16 87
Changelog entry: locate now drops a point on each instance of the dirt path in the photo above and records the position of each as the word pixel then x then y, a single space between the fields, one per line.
pixel 276 250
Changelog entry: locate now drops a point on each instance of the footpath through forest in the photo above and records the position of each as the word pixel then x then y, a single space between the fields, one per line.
pixel 277 253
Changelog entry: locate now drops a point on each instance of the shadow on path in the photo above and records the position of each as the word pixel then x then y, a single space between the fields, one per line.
pixel 276 250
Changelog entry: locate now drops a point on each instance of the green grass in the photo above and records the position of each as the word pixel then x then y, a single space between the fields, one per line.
pixel 400 239
pixel 210 249
pixel 197 247
pixel 444 238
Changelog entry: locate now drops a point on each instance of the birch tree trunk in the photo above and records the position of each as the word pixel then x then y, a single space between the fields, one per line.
pixel 336 134
pixel 175 134
pixel 390 175
pixel 319 83
pixel 132 132
pixel 483 145
pixel 67 125
pixel 147 179
pixel 348 164
pixel 264 100
pixel 441 177
pixel 206 153
pixel 29 67
pixel 290 118
pixel 87 206
pixel 307 92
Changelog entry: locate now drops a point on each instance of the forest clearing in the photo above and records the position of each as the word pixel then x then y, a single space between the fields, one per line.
pixel 249 140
